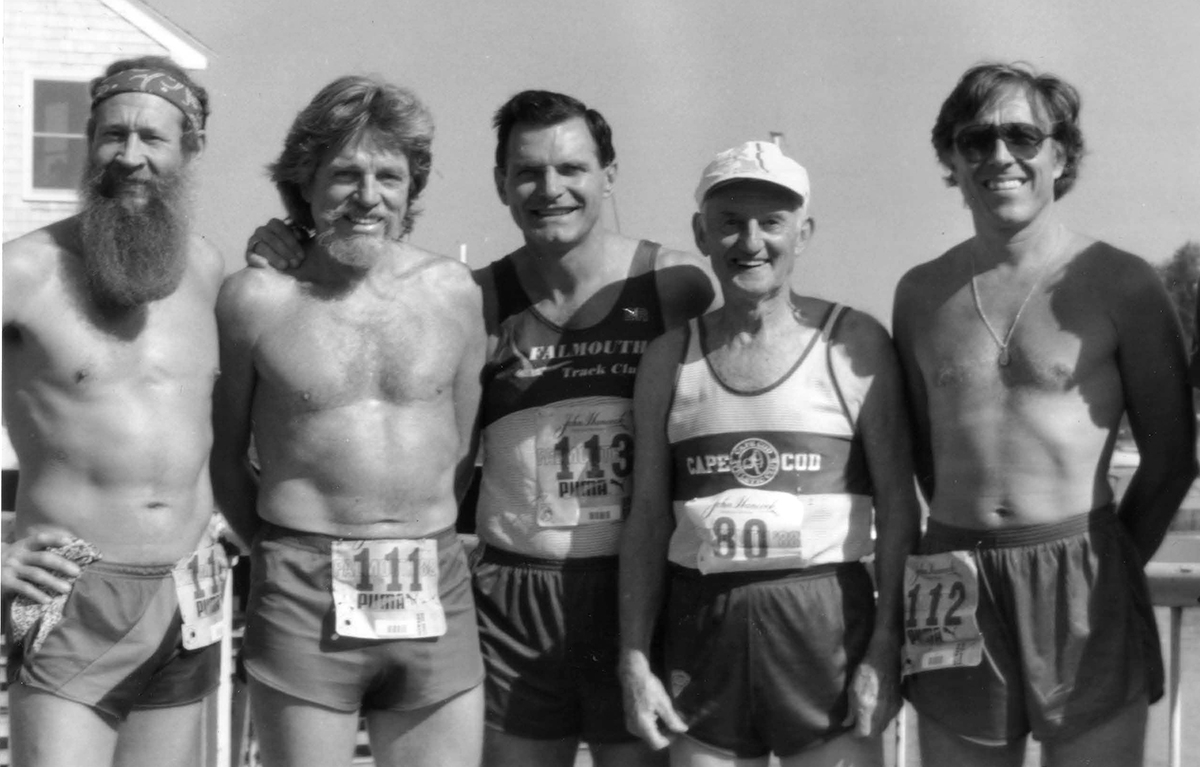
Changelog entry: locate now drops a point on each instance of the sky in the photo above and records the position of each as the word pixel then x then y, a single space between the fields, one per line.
pixel 854 88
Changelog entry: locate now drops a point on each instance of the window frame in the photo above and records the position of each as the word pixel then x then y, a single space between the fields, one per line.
pixel 28 190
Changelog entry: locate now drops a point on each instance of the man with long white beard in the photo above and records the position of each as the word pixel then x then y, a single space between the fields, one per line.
pixel 359 375
pixel 110 352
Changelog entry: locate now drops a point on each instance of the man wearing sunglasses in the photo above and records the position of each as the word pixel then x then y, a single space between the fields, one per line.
pixel 1023 347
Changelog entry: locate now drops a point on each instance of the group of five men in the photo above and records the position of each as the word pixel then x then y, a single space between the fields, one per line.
pixel 711 590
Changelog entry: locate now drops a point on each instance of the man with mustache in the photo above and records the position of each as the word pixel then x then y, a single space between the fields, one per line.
pixel 358 376
pixel 110 351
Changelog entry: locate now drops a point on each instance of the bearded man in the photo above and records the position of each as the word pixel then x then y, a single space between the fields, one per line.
pixel 359 376
pixel 110 352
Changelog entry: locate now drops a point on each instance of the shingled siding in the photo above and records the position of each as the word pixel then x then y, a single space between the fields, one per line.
pixel 66 39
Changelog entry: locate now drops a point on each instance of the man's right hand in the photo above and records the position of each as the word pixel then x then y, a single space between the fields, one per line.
pixel 276 244
pixel 28 569
pixel 649 713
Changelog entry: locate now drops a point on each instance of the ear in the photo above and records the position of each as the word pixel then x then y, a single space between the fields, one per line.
pixel 1060 161
pixel 499 175
pixel 201 140
pixel 807 229
pixel 698 233
pixel 610 178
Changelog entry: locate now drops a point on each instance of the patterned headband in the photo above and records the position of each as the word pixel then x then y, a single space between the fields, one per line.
pixel 156 83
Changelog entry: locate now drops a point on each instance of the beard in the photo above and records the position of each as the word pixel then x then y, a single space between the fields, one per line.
pixel 357 252
pixel 135 250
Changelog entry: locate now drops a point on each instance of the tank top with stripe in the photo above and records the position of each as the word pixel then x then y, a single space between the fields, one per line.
pixel 770 479
pixel 557 419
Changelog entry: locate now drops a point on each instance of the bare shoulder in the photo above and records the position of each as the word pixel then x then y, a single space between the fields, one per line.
pixel 31 262
pixel 249 296
pixel 447 278
pixel 862 344
pixel 207 262
pixel 932 277
pixel 686 285
pixel 1112 272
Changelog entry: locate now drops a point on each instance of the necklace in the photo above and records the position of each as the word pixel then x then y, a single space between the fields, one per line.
pixel 1005 357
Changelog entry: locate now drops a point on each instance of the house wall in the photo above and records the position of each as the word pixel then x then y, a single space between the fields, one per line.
pixel 71 39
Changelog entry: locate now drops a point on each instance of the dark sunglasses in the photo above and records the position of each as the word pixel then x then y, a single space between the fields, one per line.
pixel 976 142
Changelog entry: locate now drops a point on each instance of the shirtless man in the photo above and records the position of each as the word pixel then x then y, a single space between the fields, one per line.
pixel 358 375
pixel 1023 347
pixel 110 351
pixel 771 437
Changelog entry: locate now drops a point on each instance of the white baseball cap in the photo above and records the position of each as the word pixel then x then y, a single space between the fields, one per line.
pixel 758 160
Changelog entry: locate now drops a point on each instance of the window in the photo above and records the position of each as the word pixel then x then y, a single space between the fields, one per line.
pixel 59 151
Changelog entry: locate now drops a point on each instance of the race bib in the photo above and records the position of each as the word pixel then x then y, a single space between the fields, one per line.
pixel 584 463
pixel 748 529
pixel 387 589
pixel 941 597
pixel 200 588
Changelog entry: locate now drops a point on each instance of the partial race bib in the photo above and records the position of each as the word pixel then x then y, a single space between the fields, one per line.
pixel 387 589
pixel 748 529
pixel 584 463
pixel 941 597
pixel 200 589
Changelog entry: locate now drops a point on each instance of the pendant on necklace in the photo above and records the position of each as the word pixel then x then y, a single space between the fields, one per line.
pixel 1005 358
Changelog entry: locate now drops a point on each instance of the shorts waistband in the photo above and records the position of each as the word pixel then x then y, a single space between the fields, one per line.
pixel 124 570
pixel 320 542
pixel 493 555
pixel 947 537
pixel 747 577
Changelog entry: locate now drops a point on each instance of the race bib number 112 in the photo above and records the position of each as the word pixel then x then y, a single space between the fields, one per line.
pixel 941 597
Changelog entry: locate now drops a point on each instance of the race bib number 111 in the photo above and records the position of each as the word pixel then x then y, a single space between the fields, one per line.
pixel 387 589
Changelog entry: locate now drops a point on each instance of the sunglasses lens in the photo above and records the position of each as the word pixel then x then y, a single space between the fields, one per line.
pixel 978 141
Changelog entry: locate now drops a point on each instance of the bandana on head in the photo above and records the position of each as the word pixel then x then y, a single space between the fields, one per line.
pixel 156 83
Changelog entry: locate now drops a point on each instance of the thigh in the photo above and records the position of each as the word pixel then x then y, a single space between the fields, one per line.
pixel 173 735
pixel 1118 740
pixel 446 733
pixel 501 749
pixel 847 750
pixel 631 754
pixel 939 745
pixel 686 752
pixel 296 733
pixel 38 721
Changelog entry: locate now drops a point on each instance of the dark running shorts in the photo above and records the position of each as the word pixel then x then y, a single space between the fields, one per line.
pixel 1068 630
pixel 760 662
pixel 291 646
pixel 119 645
pixel 548 631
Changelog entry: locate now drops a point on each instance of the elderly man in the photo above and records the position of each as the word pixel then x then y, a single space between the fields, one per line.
pixel 110 351
pixel 769 431
pixel 358 376
pixel 568 316
pixel 1023 347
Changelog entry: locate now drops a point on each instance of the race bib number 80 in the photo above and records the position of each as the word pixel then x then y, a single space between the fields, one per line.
pixel 387 589
pixel 941 597
pixel 748 529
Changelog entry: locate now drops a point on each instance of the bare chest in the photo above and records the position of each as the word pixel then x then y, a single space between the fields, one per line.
pixel 326 356
pixel 1052 347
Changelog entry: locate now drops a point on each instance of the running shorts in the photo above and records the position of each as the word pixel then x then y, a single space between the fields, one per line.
pixel 118 646
pixel 761 662
pixel 291 643
pixel 1069 636
pixel 548 631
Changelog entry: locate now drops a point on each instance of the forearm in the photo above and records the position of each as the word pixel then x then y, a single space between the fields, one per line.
pixel 1152 499
pixel 235 488
pixel 897 532
pixel 643 573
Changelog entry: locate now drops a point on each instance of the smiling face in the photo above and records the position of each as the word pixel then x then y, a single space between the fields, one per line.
pixel 553 183
pixel 1005 191
pixel 360 190
pixel 754 232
